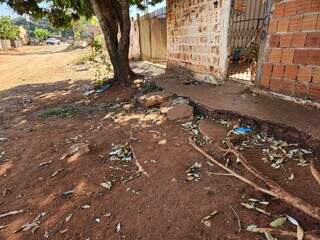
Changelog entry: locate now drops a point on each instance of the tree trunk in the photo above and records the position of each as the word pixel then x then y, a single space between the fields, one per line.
pixel 114 18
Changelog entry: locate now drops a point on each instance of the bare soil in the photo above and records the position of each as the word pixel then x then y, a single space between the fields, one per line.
pixel 159 204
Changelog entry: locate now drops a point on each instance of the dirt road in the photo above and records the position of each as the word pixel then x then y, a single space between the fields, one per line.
pixel 50 195
pixel 43 64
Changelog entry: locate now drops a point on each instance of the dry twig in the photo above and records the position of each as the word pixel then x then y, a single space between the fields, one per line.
pixel 239 223
pixel 307 235
pixel 315 172
pixel 273 188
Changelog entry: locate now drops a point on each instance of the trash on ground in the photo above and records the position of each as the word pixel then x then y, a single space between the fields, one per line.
pixel 193 172
pixel 2 139
pixel 67 193
pixel 107 185
pixel 121 153
pixel 242 130
pixel 118 227
pixel 85 206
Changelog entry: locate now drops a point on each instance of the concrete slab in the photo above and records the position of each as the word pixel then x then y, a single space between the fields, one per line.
pixel 234 98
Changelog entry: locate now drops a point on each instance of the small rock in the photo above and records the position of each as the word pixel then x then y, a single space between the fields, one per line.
pixel 180 112
pixel 127 107
pixel 212 130
pixel 154 98
pixel 76 151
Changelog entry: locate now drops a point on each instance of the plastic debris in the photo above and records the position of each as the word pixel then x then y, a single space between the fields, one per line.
pixel 242 130
pixel 121 153
pixel 107 185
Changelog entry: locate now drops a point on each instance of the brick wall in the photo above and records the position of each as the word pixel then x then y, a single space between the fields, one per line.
pixel 197 37
pixel 292 62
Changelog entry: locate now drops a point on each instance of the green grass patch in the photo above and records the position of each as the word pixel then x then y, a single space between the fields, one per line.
pixel 64 111
pixel 84 59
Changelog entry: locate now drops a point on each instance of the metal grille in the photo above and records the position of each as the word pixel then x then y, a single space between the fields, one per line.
pixel 246 23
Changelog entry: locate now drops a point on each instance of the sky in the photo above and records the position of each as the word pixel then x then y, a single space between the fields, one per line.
pixel 7 11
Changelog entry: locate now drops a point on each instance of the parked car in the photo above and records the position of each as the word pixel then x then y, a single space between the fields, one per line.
pixel 53 41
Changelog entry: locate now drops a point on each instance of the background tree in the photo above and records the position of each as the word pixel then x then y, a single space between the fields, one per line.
pixel 7 29
pixel 41 33
pixel 113 16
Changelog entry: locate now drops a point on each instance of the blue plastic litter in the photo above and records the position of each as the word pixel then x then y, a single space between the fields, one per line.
pixel 242 130
pixel 102 89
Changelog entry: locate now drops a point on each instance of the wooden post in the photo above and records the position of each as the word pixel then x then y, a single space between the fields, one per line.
pixel 264 39
pixel 139 31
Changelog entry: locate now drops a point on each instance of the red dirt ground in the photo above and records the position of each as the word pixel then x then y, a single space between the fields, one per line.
pixel 167 206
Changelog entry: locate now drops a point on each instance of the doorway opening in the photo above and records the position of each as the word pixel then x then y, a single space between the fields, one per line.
pixel 246 22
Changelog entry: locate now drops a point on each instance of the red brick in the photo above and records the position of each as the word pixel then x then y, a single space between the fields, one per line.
pixel 299 40
pixel 278 10
pixel 275 84
pixel 275 55
pixel 285 40
pixel 314 92
pixel 288 87
pixel 313 40
pixel 295 24
pixel 283 25
pixel 300 56
pixel 316 75
pixel 265 80
pixel 278 71
pixel 301 90
pixel 313 57
pixel 318 24
pixel 304 6
pixel 291 72
pixel 304 74
pixel 309 22
pixel 267 68
pixel 274 41
pixel 287 56
pixel 315 6
pixel 290 8
pixel 273 26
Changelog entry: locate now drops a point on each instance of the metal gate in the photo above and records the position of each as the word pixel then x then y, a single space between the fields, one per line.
pixel 245 26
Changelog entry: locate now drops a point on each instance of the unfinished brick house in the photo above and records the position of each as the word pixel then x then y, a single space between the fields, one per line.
pixel 273 44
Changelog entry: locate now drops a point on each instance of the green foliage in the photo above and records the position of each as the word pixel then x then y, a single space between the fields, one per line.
pixel 41 33
pixel 62 13
pixel 64 111
pixel 7 29
pixel 97 43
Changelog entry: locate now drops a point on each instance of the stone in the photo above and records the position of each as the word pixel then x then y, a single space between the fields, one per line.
pixel 180 112
pixel 127 107
pixel 212 130
pixel 154 98
pixel 76 151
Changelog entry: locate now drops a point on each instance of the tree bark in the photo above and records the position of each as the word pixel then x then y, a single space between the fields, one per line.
pixel 114 19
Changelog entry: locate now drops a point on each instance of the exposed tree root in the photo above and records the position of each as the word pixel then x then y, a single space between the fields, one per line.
pixel 272 189
pixel 315 172
pixel 307 235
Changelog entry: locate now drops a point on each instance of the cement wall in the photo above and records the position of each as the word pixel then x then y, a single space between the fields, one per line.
pixel 197 38
pixel 134 50
pixel 292 59
pixel 5 44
